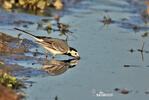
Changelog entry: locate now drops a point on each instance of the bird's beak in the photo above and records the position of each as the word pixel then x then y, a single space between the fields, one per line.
pixel 78 57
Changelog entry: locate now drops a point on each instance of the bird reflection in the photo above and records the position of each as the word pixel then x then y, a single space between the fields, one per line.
pixel 58 67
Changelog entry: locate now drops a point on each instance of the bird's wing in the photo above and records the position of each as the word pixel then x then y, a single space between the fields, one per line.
pixel 56 44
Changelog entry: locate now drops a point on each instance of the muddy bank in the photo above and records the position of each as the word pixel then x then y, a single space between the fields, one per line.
pixel 8 94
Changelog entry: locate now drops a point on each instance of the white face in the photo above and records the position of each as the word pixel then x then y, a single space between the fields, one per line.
pixel 74 53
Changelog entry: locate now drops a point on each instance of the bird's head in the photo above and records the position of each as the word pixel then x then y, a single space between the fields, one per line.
pixel 73 52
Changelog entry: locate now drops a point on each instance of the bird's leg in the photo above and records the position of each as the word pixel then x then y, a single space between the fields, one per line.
pixel 66 38
pixel 47 52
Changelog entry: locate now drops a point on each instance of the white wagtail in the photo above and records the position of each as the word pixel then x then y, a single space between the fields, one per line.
pixel 54 45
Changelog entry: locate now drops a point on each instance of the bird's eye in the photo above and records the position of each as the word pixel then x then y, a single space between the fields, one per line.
pixel 75 53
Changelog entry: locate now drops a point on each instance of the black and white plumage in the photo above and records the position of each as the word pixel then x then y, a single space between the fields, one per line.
pixel 53 45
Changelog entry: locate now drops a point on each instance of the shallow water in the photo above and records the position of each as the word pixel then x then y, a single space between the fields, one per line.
pixel 106 61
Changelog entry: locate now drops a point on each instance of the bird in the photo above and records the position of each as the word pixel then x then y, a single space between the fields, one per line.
pixel 54 45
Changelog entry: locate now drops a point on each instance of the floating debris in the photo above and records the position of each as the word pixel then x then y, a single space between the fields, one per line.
pixel 136 27
pixel 116 89
pixel 39 26
pixel 122 91
pixel 141 49
pixel 64 30
pixel 131 50
pixel 63 27
pixel 25 26
pixel 145 34
pixel 107 20
pixel 146 92
pixel 124 19
pixel 35 53
pixel 48 28
pixel 126 65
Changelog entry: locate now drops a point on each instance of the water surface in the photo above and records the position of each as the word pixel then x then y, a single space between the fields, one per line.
pixel 106 61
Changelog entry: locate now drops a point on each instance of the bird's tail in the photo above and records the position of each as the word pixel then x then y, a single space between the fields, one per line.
pixel 24 32
pixel 35 37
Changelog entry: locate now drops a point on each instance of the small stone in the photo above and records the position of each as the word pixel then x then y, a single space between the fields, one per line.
pixel 124 91
pixel 131 50
pixel 116 89
pixel 147 92
pixel 126 65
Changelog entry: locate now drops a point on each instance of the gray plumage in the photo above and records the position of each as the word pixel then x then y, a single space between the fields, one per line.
pixel 54 45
